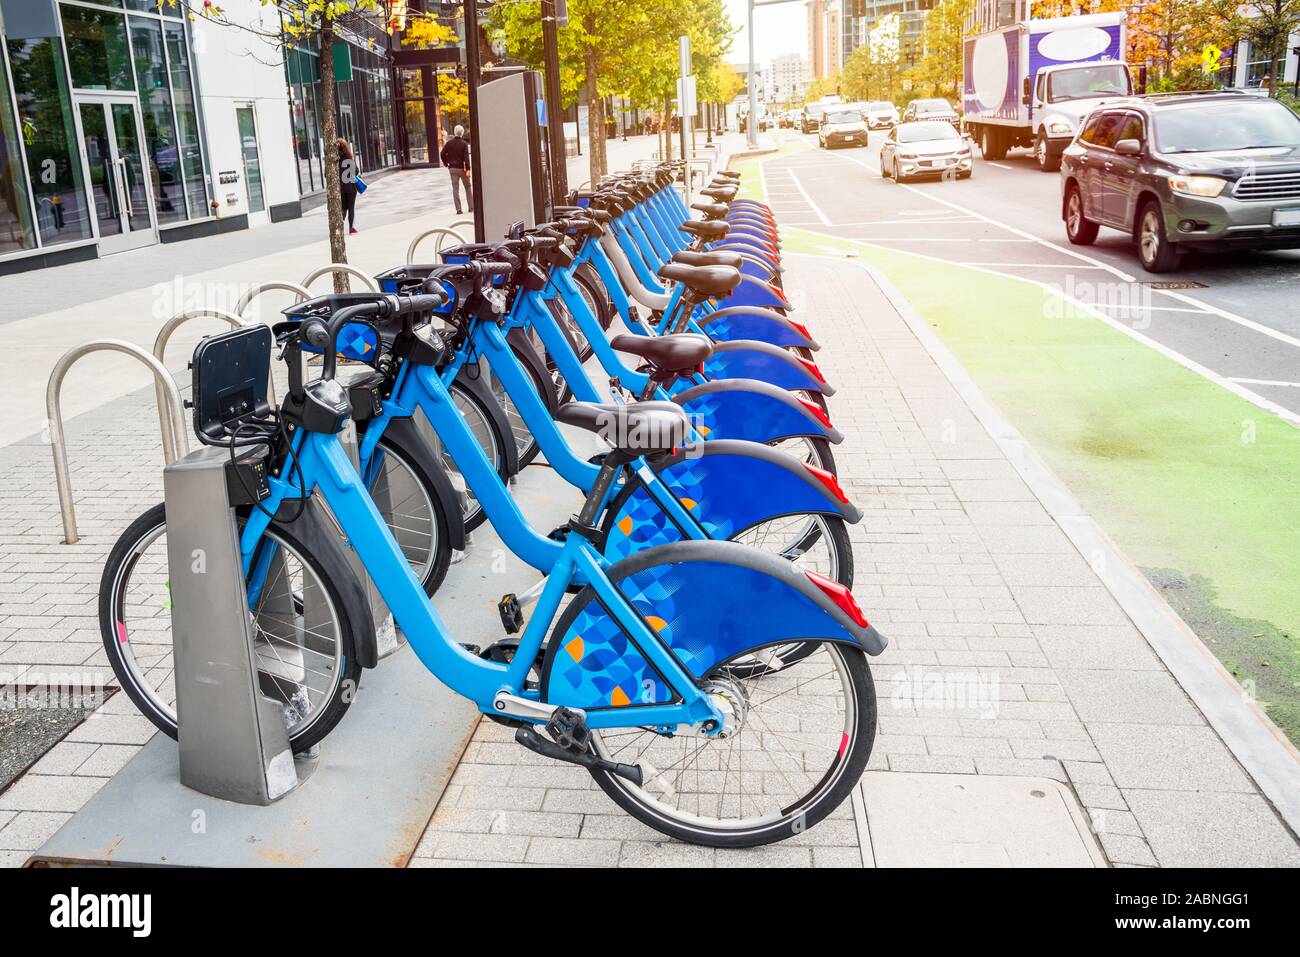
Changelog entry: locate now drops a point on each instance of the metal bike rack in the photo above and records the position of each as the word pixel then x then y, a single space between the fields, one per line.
pixel 441 231
pixel 343 268
pixel 171 417
pixel 462 222
pixel 264 287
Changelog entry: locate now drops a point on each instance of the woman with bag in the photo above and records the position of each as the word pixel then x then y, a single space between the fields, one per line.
pixel 350 182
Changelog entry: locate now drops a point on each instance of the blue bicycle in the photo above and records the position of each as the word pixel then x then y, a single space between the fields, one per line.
pixel 632 680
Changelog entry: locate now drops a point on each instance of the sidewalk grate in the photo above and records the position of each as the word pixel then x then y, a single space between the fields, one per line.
pixel 1177 284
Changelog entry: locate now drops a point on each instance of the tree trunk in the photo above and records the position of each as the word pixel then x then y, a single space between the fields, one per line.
pixel 595 110
pixel 329 130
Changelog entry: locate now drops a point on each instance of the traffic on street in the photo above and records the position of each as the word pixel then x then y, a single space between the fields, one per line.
pixel 1234 315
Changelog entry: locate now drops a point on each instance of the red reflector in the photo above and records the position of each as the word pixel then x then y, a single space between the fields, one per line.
pixel 817 411
pixel 842 597
pixel 830 481
pixel 801 327
pixel 812 367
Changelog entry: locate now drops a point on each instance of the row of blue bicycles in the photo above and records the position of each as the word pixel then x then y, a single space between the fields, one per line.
pixel 693 641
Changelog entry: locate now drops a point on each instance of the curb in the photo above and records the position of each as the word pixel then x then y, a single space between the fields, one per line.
pixel 1265 753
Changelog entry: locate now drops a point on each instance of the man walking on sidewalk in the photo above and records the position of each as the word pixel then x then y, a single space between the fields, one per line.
pixel 455 156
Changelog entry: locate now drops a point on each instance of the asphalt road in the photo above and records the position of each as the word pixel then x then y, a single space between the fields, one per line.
pixel 1239 325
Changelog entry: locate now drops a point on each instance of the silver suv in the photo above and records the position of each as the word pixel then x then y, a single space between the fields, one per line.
pixel 1210 171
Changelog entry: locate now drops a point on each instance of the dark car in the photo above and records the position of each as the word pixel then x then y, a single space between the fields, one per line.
pixel 933 109
pixel 1207 171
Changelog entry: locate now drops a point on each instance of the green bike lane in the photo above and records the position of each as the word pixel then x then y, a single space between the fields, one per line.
pixel 1197 484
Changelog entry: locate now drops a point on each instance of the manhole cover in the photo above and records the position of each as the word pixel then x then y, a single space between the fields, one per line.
pixel 1177 284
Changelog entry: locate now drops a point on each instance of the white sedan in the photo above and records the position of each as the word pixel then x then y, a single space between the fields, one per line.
pixel 926 148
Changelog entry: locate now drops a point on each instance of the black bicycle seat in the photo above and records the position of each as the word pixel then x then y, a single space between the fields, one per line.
pixel 718 258
pixel 703 280
pixel 676 353
pixel 638 427
pixel 712 229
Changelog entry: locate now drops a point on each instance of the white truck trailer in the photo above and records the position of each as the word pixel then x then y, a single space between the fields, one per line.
pixel 1032 83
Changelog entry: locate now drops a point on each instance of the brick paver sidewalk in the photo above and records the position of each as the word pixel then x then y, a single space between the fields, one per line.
pixel 984 598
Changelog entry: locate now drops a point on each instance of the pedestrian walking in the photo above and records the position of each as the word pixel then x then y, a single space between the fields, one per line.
pixel 455 156
pixel 348 188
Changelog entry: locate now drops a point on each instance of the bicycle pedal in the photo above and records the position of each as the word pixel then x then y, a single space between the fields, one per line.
pixel 568 729
pixel 512 616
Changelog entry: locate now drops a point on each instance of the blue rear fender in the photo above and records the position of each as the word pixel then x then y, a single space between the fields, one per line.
pixel 753 322
pixel 726 486
pixel 752 410
pixel 709 603
pixel 750 359
pixel 755 292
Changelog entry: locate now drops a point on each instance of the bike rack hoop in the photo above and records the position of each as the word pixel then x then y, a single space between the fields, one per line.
pixel 315 274
pixel 171 417
pixel 264 287
pixel 440 231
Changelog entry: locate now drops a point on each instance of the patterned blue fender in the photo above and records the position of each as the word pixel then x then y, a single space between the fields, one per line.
pixel 727 486
pixel 751 322
pixel 709 602
pixel 755 292
pixel 751 410
pixel 749 359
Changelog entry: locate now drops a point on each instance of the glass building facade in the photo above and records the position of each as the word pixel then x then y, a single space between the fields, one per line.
pixel 100 137
pixel 365 108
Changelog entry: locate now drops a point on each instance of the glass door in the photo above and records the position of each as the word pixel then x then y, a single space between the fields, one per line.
pixel 111 147
pixel 247 122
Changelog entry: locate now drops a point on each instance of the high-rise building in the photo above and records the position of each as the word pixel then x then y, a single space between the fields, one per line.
pixel 785 78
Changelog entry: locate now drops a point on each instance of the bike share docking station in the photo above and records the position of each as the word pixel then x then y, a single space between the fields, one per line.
pixel 229 791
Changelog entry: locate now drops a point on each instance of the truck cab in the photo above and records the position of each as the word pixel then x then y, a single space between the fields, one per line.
pixel 1061 99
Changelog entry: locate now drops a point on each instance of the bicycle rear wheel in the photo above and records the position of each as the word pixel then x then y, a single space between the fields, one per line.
pixel 803 738
pixel 303 635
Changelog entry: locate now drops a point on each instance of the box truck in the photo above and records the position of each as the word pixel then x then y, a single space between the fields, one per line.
pixel 1032 83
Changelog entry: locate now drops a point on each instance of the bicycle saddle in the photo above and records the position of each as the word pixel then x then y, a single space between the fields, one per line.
pixel 723 194
pixel 728 173
pixel 711 210
pixel 638 427
pixel 711 229
pixel 703 280
pixel 688 258
pixel 676 353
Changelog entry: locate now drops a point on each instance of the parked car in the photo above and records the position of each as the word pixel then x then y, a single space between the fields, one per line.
pixel 881 115
pixel 842 128
pixel 925 148
pixel 1209 171
pixel 810 120
pixel 935 109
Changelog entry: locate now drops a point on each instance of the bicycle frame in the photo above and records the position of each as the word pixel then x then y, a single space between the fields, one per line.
pixel 327 471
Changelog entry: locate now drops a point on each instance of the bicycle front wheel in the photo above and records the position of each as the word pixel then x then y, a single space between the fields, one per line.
pixel 303 636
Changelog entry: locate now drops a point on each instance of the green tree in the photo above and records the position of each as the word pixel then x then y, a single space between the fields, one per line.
pixel 625 48
pixel 316 22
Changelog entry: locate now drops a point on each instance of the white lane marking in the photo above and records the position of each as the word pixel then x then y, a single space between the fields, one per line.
pixel 1119 273
pixel 1233 317
pixel 1098 264
pixel 1004 240
pixel 999 165
pixel 1289 385
pixel 815 208
pixel 1254 398
pixel 906 222
pixel 1195 312
pixel 1029 265
pixel 909 239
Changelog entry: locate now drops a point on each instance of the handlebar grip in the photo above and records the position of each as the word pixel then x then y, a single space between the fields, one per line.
pixel 315 332
pixel 433 287
pixel 408 305
pixel 545 242
pixel 495 268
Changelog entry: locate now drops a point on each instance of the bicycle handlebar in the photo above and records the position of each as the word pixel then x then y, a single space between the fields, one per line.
pixel 380 309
